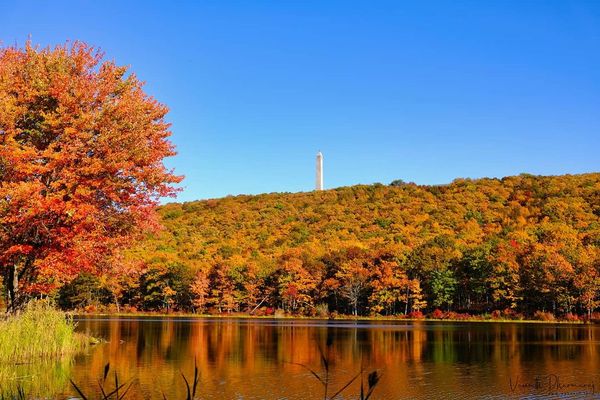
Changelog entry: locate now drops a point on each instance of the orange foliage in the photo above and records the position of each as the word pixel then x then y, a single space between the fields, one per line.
pixel 81 151
pixel 522 243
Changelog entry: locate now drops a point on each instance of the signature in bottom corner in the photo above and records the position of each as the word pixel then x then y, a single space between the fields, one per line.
pixel 551 383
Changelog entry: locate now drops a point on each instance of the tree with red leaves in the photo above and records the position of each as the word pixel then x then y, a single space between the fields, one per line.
pixel 81 164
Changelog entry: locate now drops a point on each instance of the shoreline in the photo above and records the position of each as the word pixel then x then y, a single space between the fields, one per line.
pixel 339 318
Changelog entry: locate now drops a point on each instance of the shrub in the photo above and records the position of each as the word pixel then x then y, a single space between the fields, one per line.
pixel 130 309
pixel 90 309
pixel 543 316
pixel 416 315
pixel 519 316
pixel 322 310
pixel 572 317
pixel 437 314
pixel 111 308
pixel 458 316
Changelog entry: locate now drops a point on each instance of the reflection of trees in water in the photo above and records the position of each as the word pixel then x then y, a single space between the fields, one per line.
pixel 257 359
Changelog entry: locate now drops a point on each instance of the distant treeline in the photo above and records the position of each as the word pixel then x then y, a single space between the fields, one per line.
pixel 522 243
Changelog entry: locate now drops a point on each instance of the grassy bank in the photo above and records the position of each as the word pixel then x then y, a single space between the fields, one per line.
pixel 39 332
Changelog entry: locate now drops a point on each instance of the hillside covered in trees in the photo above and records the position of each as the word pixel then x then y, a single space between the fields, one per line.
pixel 519 244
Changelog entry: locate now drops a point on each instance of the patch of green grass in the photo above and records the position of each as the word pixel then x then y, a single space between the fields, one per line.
pixel 39 332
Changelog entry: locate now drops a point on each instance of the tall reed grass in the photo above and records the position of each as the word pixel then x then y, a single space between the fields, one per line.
pixel 38 332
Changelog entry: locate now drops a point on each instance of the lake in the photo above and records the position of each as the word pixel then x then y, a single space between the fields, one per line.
pixel 270 359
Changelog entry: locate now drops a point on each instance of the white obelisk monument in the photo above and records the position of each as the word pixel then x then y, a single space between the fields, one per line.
pixel 319 181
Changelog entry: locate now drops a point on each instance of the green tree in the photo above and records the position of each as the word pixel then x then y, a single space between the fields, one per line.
pixel 443 287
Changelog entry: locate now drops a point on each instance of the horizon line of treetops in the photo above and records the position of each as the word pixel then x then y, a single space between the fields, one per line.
pixel 521 243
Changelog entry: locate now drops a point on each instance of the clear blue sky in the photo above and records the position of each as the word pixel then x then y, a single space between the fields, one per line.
pixel 422 91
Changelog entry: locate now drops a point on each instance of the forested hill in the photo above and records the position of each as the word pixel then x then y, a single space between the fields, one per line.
pixel 523 242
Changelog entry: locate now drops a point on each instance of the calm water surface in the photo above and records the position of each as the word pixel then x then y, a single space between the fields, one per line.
pixel 258 359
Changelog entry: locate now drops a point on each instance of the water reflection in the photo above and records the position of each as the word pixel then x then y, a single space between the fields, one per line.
pixel 36 379
pixel 257 359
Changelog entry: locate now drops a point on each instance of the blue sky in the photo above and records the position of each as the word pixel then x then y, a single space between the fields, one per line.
pixel 421 91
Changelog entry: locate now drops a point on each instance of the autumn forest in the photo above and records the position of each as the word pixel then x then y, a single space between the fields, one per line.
pixel 518 246
pixel 82 177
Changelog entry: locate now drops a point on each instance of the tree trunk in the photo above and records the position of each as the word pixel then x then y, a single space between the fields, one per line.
pixel 13 289
pixel 258 305
pixel 117 302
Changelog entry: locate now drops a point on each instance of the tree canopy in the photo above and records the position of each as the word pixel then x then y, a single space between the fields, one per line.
pixel 81 163
pixel 521 243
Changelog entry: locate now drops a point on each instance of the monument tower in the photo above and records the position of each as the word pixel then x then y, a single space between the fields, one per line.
pixel 319 182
